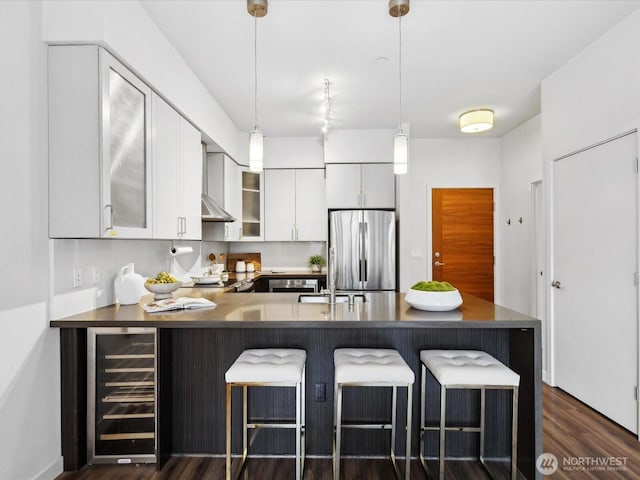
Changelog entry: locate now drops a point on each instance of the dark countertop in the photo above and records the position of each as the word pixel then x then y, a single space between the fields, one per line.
pixel 266 310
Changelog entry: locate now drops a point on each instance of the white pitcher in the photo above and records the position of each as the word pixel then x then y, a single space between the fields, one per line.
pixel 129 286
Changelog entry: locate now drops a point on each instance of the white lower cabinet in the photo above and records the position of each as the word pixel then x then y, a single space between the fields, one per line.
pixel 360 185
pixel 295 205
pixel 177 174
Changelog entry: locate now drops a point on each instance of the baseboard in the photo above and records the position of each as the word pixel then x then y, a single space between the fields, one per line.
pixel 52 471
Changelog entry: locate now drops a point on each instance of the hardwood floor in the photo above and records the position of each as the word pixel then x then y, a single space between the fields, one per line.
pixel 573 432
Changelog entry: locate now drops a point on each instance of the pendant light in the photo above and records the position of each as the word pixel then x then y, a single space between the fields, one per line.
pixel 256 8
pixel 399 8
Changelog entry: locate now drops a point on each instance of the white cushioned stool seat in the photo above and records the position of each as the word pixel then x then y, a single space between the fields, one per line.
pixel 468 367
pixel 267 365
pixel 370 365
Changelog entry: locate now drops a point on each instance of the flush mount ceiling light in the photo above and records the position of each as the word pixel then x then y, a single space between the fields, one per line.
pixel 399 8
pixel 476 121
pixel 256 8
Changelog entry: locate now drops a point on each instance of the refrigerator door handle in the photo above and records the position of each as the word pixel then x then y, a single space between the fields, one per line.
pixel 361 243
pixel 365 248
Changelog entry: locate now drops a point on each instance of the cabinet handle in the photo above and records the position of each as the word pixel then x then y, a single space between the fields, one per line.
pixel 110 217
pixel 296 232
pixel 226 231
pixel 184 225
pixel 293 235
pixel 240 233
pixel 179 226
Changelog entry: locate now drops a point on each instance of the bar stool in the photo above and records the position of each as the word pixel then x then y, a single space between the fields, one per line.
pixel 467 369
pixel 371 367
pixel 270 367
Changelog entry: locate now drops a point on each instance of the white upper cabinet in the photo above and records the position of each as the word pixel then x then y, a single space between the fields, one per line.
pixel 225 187
pixel 311 205
pixel 365 185
pixel 252 206
pixel 177 174
pixel 99 146
pixel 280 207
pixel 295 205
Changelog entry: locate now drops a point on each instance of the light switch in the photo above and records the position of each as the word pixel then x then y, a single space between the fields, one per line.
pixel 416 253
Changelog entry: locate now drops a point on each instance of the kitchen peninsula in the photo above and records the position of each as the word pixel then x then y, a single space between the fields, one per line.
pixel 195 348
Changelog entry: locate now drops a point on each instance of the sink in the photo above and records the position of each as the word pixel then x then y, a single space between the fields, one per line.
pixel 340 298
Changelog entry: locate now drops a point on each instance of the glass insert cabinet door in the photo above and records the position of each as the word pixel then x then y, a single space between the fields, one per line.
pixel 126 134
pixel 121 395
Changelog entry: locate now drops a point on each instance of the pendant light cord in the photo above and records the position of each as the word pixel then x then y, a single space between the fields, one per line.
pixel 255 67
pixel 400 71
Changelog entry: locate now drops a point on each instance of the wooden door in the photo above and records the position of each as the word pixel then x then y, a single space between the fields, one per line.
pixel 462 234
pixel 594 270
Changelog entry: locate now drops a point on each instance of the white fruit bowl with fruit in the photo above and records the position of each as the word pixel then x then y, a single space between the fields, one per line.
pixel 162 286
pixel 433 296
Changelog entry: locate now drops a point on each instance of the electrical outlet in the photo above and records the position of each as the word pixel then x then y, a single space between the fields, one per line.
pixel 77 277
pixel 321 392
pixel 95 275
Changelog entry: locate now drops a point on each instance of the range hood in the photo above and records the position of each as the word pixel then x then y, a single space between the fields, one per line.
pixel 211 210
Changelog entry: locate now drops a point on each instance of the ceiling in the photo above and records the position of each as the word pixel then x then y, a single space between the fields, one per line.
pixel 456 55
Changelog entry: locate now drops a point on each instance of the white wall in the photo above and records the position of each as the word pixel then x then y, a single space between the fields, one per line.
pixel 126 29
pixel 438 163
pixel 359 146
pixel 29 349
pixel 595 95
pixel 293 152
pixel 520 166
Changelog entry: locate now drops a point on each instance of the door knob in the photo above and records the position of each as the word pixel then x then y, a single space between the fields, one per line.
pixel 556 284
pixel 438 264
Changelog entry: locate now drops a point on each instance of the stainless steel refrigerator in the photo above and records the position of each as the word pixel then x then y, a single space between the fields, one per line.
pixel 365 249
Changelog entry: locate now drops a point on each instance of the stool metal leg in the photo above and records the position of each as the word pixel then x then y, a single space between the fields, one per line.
pixel 394 401
pixel 336 456
pixel 443 412
pixel 407 468
pixel 228 450
pixel 245 447
pixel 298 429
pixel 514 435
pixel 303 426
pixel 482 421
pixel 423 402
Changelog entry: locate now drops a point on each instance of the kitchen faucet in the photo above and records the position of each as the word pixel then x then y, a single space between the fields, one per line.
pixel 331 277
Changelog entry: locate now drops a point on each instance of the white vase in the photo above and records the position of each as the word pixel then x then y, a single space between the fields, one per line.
pixel 315 268
pixel 129 285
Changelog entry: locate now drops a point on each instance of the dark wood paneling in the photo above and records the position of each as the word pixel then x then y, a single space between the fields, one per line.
pixel 73 378
pixel 571 429
pixel 201 357
pixel 525 357
pixel 164 407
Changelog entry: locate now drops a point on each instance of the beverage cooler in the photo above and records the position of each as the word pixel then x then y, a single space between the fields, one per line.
pixel 122 395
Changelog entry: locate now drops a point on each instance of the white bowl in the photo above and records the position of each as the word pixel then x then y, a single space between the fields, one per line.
pixel 162 290
pixel 433 301
pixel 206 279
